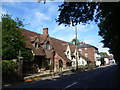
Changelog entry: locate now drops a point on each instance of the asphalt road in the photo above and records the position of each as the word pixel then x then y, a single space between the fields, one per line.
pixel 98 78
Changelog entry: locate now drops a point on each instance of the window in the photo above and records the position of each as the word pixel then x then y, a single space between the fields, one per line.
pixel 85 48
pixel 73 62
pixel 49 61
pixel 48 46
pixel 73 57
pixel 67 52
pixel 80 50
pixel 86 55
pixel 36 45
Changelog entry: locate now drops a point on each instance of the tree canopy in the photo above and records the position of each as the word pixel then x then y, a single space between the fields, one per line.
pixel 75 41
pixel 105 14
pixel 12 39
pixel 103 54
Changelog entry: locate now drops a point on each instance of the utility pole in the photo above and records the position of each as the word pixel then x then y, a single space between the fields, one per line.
pixel 76 35
pixel 76 48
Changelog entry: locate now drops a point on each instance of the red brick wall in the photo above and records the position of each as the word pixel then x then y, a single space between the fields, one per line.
pixel 89 51
pixel 56 62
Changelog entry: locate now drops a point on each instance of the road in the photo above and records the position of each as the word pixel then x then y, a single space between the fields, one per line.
pixel 98 78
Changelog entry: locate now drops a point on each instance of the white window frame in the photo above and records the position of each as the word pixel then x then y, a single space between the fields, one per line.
pixel 86 54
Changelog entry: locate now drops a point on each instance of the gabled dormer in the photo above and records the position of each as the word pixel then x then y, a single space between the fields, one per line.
pixel 76 53
pixel 35 42
pixel 47 45
pixel 68 52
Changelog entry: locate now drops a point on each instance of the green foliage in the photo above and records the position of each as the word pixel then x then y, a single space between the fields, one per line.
pixel 12 39
pixel 0 38
pixel 103 54
pixel 8 67
pixel 27 55
pixel 109 28
pixel 73 13
pixel 75 41
pixel 108 14
pixel 102 60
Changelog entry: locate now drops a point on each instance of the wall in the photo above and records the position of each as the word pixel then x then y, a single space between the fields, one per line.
pixel 90 52
pixel 56 62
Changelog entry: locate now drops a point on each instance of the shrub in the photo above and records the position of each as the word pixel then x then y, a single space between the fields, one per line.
pixel 8 67
pixel 9 74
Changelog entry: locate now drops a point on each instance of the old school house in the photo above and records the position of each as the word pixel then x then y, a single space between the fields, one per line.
pixel 50 53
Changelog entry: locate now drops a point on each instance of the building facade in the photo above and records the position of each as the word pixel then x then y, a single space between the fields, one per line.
pixel 89 51
pixel 51 53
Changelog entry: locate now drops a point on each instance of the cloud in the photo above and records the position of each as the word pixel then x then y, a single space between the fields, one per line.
pixel 67 38
pixel 41 16
pixel 58 28
pixel 85 28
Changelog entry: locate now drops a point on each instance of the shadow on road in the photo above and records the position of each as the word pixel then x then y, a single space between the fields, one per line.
pixel 58 82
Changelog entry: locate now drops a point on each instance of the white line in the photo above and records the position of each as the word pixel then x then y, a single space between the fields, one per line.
pixel 70 85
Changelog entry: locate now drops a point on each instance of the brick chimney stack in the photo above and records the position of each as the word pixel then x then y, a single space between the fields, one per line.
pixel 45 31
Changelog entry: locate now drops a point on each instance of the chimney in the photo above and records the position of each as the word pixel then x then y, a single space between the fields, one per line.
pixel 45 31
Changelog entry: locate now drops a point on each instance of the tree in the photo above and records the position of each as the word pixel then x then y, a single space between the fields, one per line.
pixel 75 41
pixel 106 15
pixel 103 54
pixel 12 39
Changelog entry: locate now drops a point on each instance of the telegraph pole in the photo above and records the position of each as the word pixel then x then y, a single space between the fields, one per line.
pixel 76 48
pixel 76 35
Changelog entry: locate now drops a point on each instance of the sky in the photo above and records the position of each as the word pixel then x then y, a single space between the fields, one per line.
pixel 41 15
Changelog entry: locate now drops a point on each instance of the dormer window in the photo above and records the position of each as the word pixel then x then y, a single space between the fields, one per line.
pixel 80 50
pixel 36 45
pixel 67 52
pixel 48 46
pixel 86 55
pixel 85 48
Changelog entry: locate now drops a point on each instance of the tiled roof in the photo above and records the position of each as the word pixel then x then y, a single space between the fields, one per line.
pixel 39 52
pixel 48 54
pixel 59 46
pixel 86 45
pixel 43 38
pixel 29 38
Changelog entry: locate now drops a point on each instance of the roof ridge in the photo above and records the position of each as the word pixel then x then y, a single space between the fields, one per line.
pixel 30 31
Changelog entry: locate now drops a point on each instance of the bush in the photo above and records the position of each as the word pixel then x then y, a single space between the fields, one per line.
pixel 8 67
pixel 9 74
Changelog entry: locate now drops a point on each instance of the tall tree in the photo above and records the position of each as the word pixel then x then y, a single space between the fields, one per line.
pixel 107 15
pixel 12 39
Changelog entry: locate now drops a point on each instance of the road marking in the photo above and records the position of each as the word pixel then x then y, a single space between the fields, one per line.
pixel 70 85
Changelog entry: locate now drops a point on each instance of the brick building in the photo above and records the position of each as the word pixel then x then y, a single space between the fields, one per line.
pixel 52 52
pixel 89 51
